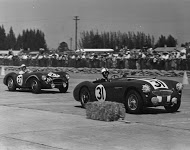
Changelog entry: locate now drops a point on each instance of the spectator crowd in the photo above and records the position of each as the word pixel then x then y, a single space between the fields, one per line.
pixel 126 59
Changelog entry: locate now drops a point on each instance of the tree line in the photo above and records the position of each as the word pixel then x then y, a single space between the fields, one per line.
pixel 118 40
pixel 34 39
pixel 29 39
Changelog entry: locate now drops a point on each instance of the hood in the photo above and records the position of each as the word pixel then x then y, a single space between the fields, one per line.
pixel 52 74
pixel 154 83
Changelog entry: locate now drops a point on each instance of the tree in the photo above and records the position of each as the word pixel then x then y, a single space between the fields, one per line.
pixel 115 39
pixel 32 39
pixel 10 40
pixel 2 37
pixel 171 41
pixel 40 37
pixel 19 42
pixel 63 46
pixel 161 41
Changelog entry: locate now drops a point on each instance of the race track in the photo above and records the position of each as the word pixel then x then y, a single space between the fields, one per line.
pixel 55 121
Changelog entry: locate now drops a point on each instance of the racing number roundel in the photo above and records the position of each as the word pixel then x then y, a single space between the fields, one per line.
pixel 19 79
pixel 100 93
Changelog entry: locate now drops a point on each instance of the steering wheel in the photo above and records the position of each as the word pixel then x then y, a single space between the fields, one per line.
pixel 114 76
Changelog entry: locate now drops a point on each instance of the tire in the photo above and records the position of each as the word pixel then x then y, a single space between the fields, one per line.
pixel 11 84
pixel 133 103
pixel 174 107
pixel 35 86
pixel 84 96
pixel 63 89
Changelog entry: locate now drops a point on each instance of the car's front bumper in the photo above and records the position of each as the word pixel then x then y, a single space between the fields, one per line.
pixel 162 97
pixel 55 83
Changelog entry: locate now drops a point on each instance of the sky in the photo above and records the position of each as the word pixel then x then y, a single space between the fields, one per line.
pixel 55 17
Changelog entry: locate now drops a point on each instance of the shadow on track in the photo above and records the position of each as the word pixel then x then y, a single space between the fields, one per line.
pixel 42 91
pixel 79 106
pixel 152 111
pixel 146 111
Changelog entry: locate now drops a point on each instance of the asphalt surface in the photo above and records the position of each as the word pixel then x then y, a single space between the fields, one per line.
pixel 55 121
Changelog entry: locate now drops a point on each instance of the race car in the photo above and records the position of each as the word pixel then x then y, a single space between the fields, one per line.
pixel 37 80
pixel 135 93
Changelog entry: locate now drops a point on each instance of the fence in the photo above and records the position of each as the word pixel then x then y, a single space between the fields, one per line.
pixel 147 63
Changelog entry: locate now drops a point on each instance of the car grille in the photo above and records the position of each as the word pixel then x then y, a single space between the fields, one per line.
pixel 163 93
pixel 57 81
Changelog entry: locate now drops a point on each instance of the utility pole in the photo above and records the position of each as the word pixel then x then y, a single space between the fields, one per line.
pixel 76 27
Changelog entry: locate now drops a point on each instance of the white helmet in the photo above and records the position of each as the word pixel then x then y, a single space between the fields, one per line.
pixel 104 70
pixel 23 65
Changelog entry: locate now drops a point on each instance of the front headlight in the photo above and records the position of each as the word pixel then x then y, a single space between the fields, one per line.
pixel 179 86
pixel 44 77
pixel 146 88
pixel 67 76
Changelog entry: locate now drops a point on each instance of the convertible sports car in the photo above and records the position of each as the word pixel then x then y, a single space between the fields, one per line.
pixel 134 93
pixel 37 80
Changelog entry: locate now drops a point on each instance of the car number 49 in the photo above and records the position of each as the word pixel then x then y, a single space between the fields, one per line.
pixel 100 93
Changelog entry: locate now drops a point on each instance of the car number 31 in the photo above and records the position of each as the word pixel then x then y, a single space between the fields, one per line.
pixel 100 93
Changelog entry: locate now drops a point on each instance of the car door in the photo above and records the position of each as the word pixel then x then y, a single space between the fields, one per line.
pixel 103 91
pixel 19 80
pixel 116 89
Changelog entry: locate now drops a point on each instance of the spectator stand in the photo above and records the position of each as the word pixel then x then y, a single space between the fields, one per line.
pixel 173 59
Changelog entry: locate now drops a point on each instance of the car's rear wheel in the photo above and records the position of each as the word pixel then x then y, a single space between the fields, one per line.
pixel 11 84
pixel 35 86
pixel 133 103
pixel 173 107
pixel 64 88
pixel 84 96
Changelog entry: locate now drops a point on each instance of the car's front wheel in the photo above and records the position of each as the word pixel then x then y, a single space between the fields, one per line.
pixel 173 107
pixel 11 84
pixel 84 96
pixel 35 86
pixel 64 88
pixel 133 102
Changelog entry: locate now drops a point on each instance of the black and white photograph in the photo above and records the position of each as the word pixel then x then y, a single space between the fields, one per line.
pixel 94 74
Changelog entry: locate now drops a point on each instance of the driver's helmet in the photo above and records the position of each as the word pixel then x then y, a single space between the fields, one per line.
pixel 105 72
pixel 23 66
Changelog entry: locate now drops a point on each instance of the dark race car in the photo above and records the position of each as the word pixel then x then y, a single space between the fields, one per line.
pixel 134 93
pixel 37 80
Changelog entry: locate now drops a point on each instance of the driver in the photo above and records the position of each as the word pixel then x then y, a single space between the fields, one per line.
pixel 105 73
pixel 24 69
